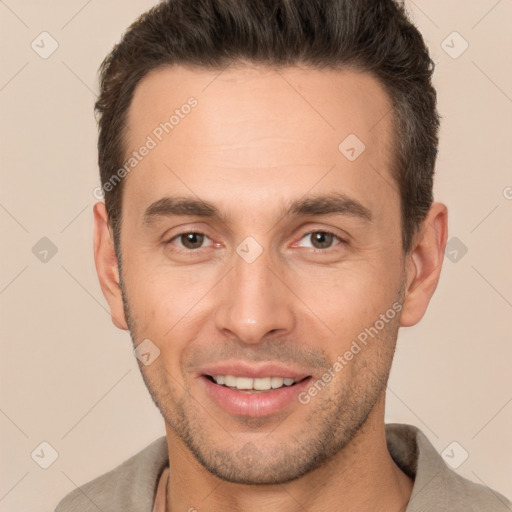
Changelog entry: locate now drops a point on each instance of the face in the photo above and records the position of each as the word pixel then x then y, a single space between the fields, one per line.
pixel 258 252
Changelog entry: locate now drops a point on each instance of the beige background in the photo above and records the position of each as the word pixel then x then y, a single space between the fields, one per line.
pixel 68 376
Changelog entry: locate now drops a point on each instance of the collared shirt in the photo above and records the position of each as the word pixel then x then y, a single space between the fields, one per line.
pixel 139 484
pixel 161 492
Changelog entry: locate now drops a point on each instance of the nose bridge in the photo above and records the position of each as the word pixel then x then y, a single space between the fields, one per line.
pixel 255 301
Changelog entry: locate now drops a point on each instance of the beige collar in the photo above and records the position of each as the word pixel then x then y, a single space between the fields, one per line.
pixel 161 492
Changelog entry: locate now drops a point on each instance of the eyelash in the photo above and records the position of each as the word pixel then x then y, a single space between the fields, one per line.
pixel 324 231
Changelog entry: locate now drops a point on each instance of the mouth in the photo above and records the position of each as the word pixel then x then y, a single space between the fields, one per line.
pixel 253 385
pixel 253 392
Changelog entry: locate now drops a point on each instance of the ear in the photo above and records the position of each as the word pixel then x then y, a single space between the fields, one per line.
pixel 107 266
pixel 423 264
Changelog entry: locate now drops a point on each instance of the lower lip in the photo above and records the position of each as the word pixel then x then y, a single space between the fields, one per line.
pixel 254 405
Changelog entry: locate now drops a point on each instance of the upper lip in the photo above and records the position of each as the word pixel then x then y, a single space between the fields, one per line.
pixel 252 370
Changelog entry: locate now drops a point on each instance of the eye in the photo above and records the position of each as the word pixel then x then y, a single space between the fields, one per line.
pixel 320 239
pixel 190 240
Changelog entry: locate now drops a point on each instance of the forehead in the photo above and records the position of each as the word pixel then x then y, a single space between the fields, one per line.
pixel 254 127
pixel 334 101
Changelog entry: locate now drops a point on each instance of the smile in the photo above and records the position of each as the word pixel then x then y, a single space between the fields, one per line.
pixel 249 384
pixel 253 396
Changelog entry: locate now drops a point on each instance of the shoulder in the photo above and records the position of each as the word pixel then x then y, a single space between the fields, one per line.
pixel 129 487
pixel 436 485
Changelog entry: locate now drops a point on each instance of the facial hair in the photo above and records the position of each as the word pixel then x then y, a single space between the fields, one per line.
pixel 334 417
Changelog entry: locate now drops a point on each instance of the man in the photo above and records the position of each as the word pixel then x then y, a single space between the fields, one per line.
pixel 268 226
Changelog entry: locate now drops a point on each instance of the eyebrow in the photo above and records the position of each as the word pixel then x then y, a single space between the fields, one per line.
pixel 335 203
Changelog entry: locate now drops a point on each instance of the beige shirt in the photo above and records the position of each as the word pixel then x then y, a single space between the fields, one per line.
pixel 139 484
pixel 161 492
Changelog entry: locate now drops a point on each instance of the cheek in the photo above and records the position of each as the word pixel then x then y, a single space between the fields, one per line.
pixel 348 299
pixel 160 293
pixel 168 306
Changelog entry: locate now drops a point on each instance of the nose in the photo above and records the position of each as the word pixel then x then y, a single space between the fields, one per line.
pixel 255 302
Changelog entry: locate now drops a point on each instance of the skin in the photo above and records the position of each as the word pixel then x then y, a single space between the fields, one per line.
pixel 258 140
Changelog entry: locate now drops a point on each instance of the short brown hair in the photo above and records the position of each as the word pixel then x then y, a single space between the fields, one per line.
pixel 374 36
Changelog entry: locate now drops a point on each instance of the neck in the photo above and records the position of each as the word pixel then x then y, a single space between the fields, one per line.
pixel 361 477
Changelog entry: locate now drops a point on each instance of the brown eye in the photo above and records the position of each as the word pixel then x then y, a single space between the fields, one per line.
pixel 191 240
pixel 321 239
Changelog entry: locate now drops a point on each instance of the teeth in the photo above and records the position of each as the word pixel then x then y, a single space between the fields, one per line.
pixel 277 382
pixel 229 380
pixel 244 383
pixel 259 384
pixel 263 384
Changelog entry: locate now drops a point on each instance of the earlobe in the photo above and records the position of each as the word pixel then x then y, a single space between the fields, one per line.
pixel 424 263
pixel 107 266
